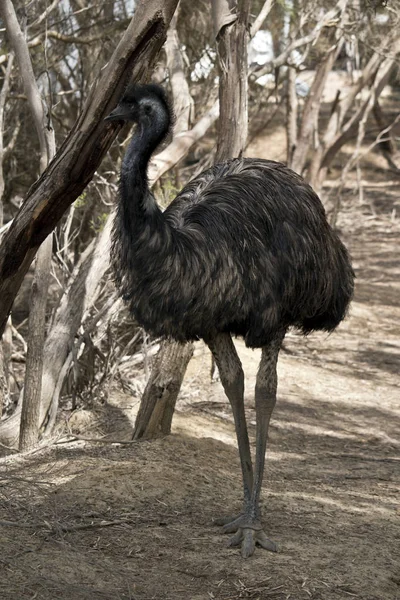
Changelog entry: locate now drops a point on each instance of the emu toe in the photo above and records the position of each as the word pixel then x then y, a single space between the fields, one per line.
pixel 248 533
pixel 229 524
pixel 248 537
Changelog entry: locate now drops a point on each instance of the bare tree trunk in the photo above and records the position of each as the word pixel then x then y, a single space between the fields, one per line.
pixel 3 97
pixel 291 115
pixel 4 389
pixel 79 297
pixel 159 398
pixel 231 32
pixel 7 350
pixel 82 151
pixel 29 433
pixel 183 102
pixel 4 379
pixel 311 110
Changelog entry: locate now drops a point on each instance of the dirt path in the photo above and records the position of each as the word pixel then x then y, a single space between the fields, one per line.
pixel 134 521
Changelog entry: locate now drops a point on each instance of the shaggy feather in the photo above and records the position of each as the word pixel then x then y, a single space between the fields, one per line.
pixel 244 248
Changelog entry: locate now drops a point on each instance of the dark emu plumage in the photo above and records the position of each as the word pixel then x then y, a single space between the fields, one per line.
pixel 244 249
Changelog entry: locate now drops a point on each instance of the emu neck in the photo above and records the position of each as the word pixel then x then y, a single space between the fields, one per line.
pixel 135 193
pixel 140 222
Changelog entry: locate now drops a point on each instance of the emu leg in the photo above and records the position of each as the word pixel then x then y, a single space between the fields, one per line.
pixel 250 530
pixel 232 379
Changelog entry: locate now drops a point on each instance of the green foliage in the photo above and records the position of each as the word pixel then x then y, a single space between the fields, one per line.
pixel 81 201
pixel 97 224
pixel 168 189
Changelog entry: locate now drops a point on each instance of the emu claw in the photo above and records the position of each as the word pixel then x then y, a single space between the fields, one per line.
pixel 248 538
pixel 248 533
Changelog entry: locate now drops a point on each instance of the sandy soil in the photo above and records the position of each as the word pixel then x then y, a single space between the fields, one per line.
pixel 134 521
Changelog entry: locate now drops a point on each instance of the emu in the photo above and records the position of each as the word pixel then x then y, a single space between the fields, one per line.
pixel 244 249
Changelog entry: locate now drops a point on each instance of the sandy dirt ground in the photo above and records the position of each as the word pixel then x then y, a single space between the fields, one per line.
pixel 134 521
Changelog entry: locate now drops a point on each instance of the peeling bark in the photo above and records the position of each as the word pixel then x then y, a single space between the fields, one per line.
pixel 231 28
pixel 291 115
pixel 159 398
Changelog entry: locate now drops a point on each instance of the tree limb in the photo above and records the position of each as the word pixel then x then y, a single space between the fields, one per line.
pixel 329 19
pixel 262 15
pixel 3 96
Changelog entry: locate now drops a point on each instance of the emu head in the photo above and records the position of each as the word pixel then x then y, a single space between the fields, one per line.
pixel 143 104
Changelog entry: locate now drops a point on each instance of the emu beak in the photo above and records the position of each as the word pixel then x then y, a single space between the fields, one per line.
pixel 120 113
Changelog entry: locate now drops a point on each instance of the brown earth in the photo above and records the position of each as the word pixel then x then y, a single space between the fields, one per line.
pixel 88 521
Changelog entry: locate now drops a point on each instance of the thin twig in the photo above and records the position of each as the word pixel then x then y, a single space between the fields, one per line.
pixel 82 526
pixel 17 524
pixel 82 438
pixel 67 528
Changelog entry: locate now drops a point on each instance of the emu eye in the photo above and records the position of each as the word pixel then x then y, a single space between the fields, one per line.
pixel 148 109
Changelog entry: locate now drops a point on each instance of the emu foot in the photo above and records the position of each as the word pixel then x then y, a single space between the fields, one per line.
pixel 248 537
pixel 229 524
pixel 248 533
